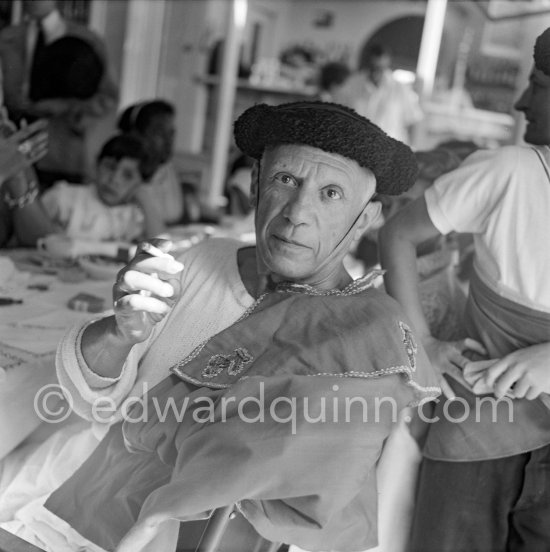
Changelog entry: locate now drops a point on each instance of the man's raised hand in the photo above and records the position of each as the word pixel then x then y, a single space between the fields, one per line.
pixel 146 290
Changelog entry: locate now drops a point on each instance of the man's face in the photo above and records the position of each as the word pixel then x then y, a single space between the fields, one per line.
pixel 535 105
pixel 377 67
pixel 308 201
pixel 117 181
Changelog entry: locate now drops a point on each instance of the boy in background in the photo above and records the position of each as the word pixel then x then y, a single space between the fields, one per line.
pixel 118 206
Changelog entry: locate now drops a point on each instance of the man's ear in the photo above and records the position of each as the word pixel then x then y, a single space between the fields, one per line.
pixel 371 218
pixel 254 176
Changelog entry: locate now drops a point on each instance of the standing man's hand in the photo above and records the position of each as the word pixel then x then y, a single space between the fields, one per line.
pixel 448 357
pixel 525 373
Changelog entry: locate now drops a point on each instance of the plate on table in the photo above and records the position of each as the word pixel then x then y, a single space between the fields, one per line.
pixel 100 267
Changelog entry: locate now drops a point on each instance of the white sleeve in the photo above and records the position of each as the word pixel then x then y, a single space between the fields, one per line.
pixel 462 200
pixel 83 387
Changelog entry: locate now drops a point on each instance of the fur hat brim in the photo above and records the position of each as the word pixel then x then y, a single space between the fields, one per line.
pixel 332 128
pixel 542 52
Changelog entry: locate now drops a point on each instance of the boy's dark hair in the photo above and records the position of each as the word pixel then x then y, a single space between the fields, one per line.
pixel 125 145
pixel 137 117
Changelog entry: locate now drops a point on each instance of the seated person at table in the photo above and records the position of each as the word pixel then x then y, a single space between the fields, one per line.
pixel 153 123
pixel 259 329
pixel 22 217
pixel 118 206
pixel 485 479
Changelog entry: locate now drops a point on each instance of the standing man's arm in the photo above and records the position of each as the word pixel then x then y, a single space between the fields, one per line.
pixel 399 239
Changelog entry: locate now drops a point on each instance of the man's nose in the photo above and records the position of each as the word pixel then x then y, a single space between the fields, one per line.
pixel 522 102
pixel 299 207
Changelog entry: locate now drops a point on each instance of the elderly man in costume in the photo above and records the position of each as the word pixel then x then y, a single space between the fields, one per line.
pixel 268 348
pixel 485 478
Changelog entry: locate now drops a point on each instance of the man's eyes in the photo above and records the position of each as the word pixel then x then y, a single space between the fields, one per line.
pixel 285 179
pixel 333 193
pixel 330 192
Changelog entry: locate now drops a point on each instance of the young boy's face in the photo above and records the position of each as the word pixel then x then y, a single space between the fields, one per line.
pixel 117 180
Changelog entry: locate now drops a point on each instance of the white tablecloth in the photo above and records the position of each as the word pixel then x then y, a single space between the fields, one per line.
pixel 29 334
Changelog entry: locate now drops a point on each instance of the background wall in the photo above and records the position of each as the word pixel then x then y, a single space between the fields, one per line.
pixel 353 23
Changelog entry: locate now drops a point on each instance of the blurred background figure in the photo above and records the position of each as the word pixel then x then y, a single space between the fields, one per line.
pixel 298 65
pixel 152 122
pixel 58 70
pixel 238 186
pixel 443 263
pixel 332 76
pixel 22 218
pixel 117 206
pixel 374 93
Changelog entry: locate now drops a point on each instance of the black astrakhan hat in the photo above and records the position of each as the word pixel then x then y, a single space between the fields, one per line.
pixel 542 52
pixel 334 129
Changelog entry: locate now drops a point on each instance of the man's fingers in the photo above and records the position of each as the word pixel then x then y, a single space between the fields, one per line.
pixel 37 131
pixel 39 125
pixel 477 367
pixel 480 387
pixel 472 345
pixel 145 263
pixel 134 303
pixel 458 360
pixel 133 281
pixel 494 372
pixel 457 348
pixel 521 388
pixel 164 246
pixel 472 377
pixel 506 380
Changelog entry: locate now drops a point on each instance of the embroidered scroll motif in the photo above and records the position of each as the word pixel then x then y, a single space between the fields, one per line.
pixel 234 363
pixel 410 344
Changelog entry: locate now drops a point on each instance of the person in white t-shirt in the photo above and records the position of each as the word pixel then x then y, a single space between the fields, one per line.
pixel 485 482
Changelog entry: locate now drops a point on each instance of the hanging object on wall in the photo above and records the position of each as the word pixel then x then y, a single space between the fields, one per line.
pixel 323 19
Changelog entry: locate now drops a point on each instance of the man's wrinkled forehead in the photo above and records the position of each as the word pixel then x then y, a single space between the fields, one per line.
pixel 297 156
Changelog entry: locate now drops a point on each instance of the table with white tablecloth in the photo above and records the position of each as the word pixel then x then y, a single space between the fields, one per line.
pixel 29 334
